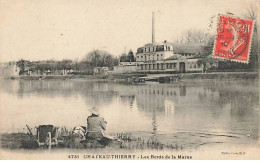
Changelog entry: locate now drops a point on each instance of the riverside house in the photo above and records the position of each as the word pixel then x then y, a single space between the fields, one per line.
pixel 9 69
pixel 101 70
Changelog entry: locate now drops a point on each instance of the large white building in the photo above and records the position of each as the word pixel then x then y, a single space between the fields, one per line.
pixel 168 57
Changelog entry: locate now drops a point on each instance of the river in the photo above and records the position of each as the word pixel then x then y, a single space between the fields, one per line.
pixel 192 114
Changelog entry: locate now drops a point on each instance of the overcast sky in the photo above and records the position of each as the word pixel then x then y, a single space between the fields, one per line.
pixel 58 29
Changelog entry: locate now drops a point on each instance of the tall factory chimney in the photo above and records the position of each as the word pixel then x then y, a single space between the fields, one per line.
pixel 153 35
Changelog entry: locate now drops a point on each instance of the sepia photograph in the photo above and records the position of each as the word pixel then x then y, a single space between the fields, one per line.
pixel 129 80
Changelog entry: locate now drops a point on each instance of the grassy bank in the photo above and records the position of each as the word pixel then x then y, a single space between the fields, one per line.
pixel 122 141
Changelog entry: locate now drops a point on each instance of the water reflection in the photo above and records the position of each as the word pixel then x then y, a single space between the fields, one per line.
pixel 225 107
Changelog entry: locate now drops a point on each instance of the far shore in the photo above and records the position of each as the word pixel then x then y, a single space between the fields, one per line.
pixel 129 77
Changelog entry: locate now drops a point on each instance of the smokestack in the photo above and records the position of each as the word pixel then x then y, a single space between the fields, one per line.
pixel 153 36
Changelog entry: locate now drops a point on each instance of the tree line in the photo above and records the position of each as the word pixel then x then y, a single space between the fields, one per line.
pixel 95 58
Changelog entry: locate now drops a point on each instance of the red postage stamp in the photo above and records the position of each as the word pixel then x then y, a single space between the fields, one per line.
pixel 233 39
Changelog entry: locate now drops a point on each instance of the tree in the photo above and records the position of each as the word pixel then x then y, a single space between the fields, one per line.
pixel 251 13
pixel 195 36
pixel 66 64
pixel 127 57
pixel 123 57
pixel 21 65
pixel 100 58
pixel 131 56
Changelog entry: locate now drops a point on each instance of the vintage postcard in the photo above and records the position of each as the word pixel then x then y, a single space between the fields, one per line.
pixel 129 80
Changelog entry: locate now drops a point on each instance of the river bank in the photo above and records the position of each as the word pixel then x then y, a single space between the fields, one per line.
pixel 126 141
pixel 129 77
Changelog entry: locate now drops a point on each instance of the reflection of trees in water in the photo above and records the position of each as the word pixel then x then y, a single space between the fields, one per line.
pixel 243 112
pixel 97 93
pixel 221 94
pixel 241 99
pixel 94 92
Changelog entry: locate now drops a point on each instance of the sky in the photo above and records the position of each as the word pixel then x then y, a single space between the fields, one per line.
pixel 69 29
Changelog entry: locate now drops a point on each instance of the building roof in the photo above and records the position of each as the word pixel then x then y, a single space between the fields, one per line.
pixel 177 56
pixel 183 48
pixel 173 57
pixel 188 48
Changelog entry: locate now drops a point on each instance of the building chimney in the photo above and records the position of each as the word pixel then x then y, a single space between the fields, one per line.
pixel 153 35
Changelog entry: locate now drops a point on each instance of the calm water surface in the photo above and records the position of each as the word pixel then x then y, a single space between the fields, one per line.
pixel 191 113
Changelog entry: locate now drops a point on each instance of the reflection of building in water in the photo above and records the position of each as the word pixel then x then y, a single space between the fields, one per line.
pixel 126 94
pixel 210 106
pixel 128 99
pixel 182 90
pixel 169 107
pixel 154 122
pixel 157 101
pixel 160 98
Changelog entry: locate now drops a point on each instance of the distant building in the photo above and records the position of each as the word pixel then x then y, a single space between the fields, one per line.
pixel 9 69
pixel 125 67
pixel 101 70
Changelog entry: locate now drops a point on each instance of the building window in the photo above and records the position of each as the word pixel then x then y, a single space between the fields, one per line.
pixel 190 65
